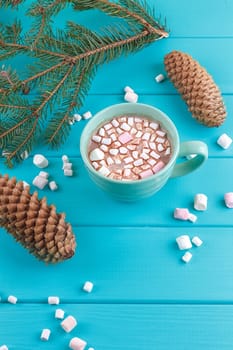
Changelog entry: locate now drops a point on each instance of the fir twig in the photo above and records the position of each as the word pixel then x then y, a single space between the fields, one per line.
pixel 66 63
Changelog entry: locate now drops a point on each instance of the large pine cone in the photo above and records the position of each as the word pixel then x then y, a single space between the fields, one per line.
pixel 33 223
pixel 197 88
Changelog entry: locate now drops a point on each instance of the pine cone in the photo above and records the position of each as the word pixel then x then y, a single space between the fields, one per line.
pixel 33 223
pixel 197 88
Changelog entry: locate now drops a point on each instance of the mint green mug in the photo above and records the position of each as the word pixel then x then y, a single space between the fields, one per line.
pixel 138 189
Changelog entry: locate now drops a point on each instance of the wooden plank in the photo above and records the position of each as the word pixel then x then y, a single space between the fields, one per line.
pixel 126 265
pixel 120 327
pixel 80 198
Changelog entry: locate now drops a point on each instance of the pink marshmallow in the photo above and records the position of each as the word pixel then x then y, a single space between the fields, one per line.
pixel 146 173
pixel 181 213
pixel 125 137
pixel 158 166
pixel 228 197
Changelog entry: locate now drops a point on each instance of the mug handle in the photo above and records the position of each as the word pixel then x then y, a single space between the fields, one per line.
pixel 199 149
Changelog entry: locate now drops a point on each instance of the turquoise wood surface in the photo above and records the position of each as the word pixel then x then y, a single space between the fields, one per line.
pixel 144 297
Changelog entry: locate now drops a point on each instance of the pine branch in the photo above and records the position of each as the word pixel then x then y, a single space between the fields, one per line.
pixel 66 62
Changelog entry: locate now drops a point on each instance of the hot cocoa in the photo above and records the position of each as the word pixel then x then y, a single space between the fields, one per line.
pixel 129 147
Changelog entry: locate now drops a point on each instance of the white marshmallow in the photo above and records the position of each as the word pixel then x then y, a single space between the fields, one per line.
pixel 192 217
pixel 125 126
pixel 40 182
pixel 3 347
pixel 44 174
pixel 69 323
pixel 53 300
pixel 45 334
pixel 131 97
pixel 128 89
pixel 113 151
pixel 159 78
pixel 53 186
pixel 59 313
pixel 228 198
pixel 65 159
pixel 200 202
pixel 183 242
pixel 187 257
pixel 24 155
pixel 107 141
pixel 224 141
pixel 12 299
pixel 197 241
pixel 104 171
pixel 87 115
pixel 25 184
pixel 77 344
pixel 77 117
pixel 88 286
pixel 96 154
pixel 68 172
pixel 40 161
pixel 67 165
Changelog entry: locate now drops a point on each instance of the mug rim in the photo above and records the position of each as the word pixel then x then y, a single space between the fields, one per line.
pixel 83 141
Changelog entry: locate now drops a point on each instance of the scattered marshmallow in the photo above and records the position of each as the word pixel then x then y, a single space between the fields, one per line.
pixel 128 89
pixel 12 299
pixel 192 217
pixel 59 313
pixel 159 78
pixel 181 214
pixel 25 184
pixel 87 115
pixel 224 141
pixel 4 347
pixel 68 172
pixel 197 241
pixel 53 300
pixel 40 161
pixel 67 165
pixel 24 155
pixel 131 97
pixel 40 182
pixel 200 202
pixel 187 257
pixel 77 117
pixel 53 186
pixel 77 344
pixel 69 323
pixel 45 334
pixel 228 198
pixel 65 158
pixel 44 174
pixel 183 242
pixel 88 286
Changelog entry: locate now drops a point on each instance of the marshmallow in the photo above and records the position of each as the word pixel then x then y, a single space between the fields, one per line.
pixel 128 89
pixel 25 184
pixel 53 186
pixel 24 155
pixel 3 347
pixel 96 138
pixel 65 159
pixel 187 257
pixel 88 286
pixel 87 115
pixel 52 300
pixel 59 313
pixel 40 161
pixel 192 217
pixel 69 323
pixel 44 174
pixel 45 334
pixel 183 242
pixel 224 141
pixel 96 154
pixel 77 344
pixel 160 165
pixel 104 171
pixel 197 241
pixel 125 137
pixel 200 202
pixel 228 198
pixel 12 299
pixel 40 182
pixel 181 214
pixel 67 165
pixel 159 78
pixel 77 117
pixel 68 172
pixel 131 97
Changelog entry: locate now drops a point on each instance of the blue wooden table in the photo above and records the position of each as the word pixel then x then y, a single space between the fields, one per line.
pixel 144 296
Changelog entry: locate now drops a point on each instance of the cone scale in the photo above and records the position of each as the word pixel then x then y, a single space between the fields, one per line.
pixel 197 88
pixel 34 223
